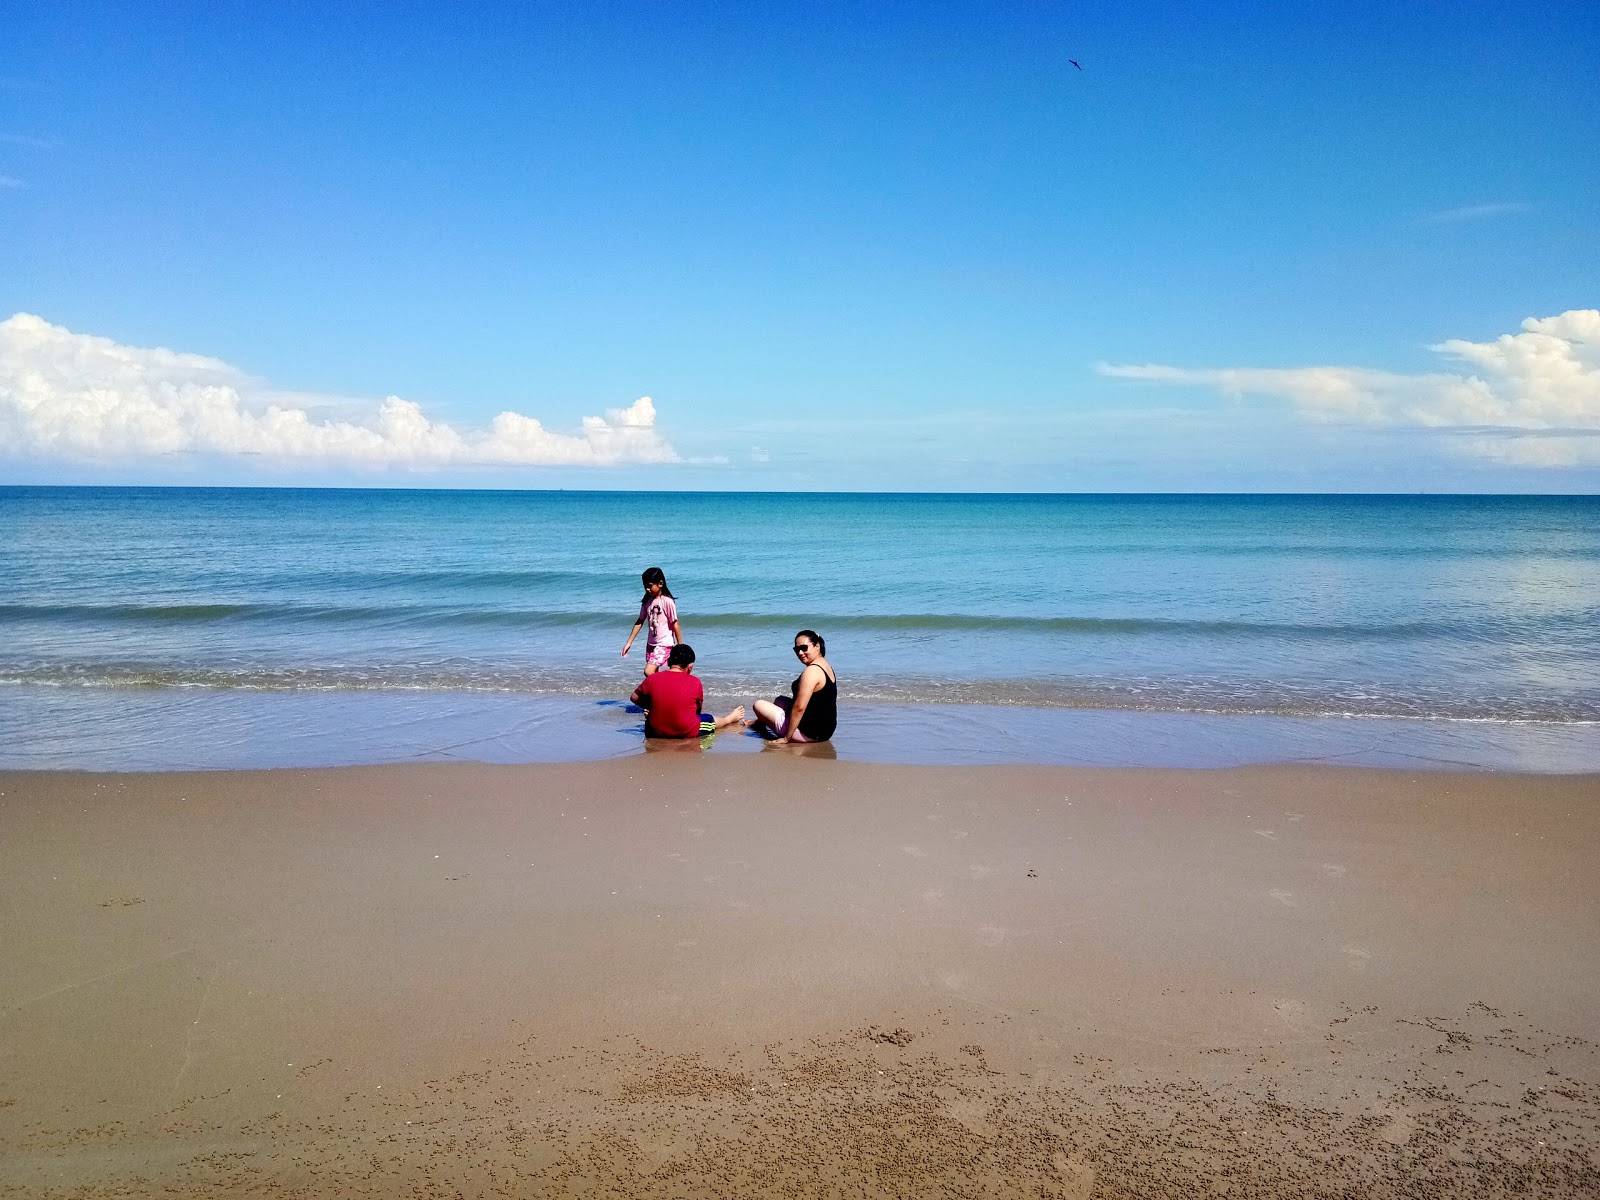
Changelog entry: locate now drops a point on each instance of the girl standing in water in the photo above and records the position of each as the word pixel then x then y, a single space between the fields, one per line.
pixel 659 611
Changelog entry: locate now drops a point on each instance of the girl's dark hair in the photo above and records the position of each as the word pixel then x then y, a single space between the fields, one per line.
pixel 815 637
pixel 656 575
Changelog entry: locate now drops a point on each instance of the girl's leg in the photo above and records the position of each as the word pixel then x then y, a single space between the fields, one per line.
pixel 650 668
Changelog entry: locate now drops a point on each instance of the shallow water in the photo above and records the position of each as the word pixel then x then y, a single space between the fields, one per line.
pixel 200 729
pixel 1027 623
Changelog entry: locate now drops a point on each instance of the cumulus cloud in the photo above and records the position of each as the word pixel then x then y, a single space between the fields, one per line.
pixel 66 395
pixel 1525 399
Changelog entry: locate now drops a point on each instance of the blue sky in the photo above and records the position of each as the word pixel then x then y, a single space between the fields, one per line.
pixel 839 246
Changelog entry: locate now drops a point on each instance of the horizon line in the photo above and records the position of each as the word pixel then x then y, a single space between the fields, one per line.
pixel 242 487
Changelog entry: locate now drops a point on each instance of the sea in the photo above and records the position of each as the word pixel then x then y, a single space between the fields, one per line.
pixel 211 628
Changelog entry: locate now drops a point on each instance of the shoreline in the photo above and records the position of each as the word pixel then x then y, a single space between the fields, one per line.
pixel 199 729
pixel 768 974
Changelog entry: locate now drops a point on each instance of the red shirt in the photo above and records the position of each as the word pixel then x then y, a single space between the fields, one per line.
pixel 672 700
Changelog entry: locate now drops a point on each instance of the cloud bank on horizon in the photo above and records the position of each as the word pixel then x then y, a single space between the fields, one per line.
pixel 75 397
pixel 1529 399
pixel 1533 401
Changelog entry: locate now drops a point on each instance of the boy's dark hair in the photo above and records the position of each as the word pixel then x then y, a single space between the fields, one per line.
pixel 680 655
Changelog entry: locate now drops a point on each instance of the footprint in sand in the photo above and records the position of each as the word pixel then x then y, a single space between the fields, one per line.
pixel 1267 833
pixel 972 1113
pixel 933 816
pixel 1284 898
pixel 933 896
pixel 991 935
pixel 1291 1012
pixel 1077 1178
pixel 914 851
pixel 1356 958
pixel 1334 870
pixel 661 1148
pixel 977 871
pixel 1397 1130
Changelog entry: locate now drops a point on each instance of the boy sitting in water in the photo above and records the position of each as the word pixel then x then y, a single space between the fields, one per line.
pixel 672 698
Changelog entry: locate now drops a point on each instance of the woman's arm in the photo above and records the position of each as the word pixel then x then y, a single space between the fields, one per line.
pixel 637 625
pixel 809 683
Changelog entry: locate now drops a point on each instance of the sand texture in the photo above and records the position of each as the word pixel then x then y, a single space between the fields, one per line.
pixel 677 975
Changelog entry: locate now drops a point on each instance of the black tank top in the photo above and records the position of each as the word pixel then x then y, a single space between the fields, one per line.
pixel 821 717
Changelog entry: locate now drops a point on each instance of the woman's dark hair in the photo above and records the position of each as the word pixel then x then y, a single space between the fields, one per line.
pixel 815 637
pixel 656 575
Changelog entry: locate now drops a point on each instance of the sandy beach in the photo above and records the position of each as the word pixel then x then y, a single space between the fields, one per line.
pixel 751 975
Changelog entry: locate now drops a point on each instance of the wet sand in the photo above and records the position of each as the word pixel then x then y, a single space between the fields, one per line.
pixel 752 975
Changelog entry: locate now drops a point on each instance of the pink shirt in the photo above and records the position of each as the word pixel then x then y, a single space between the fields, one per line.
pixel 657 615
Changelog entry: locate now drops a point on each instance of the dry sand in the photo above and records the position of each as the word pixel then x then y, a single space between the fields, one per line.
pixel 741 976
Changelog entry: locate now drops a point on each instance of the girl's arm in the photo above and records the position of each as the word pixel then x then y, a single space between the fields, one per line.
pixel 669 609
pixel 808 685
pixel 637 625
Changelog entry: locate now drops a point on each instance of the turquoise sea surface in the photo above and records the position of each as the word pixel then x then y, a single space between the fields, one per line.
pixel 172 627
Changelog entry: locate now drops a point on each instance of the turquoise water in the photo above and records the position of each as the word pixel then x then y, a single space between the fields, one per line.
pixel 1480 610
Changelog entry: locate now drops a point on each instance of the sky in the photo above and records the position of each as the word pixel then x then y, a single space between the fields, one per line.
pixel 1230 247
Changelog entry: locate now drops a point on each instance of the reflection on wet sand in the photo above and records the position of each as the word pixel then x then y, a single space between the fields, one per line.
pixel 111 730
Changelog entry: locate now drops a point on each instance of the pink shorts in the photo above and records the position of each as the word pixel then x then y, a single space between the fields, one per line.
pixel 785 703
pixel 656 656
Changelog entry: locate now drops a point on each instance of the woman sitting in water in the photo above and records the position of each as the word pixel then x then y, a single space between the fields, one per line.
pixel 811 710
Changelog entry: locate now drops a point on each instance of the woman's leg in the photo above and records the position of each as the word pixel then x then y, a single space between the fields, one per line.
pixel 774 713
pixel 775 716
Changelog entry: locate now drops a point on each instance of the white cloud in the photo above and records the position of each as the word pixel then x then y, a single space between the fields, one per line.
pixel 11 181
pixel 66 395
pixel 1475 212
pixel 1532 398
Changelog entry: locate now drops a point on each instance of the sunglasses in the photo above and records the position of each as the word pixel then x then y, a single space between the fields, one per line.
pixel 803 649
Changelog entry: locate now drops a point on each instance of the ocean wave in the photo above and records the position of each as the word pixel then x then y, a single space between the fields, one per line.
pixel 182 614
pixel 1214 697
pixel 888 623
pixel 170 613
